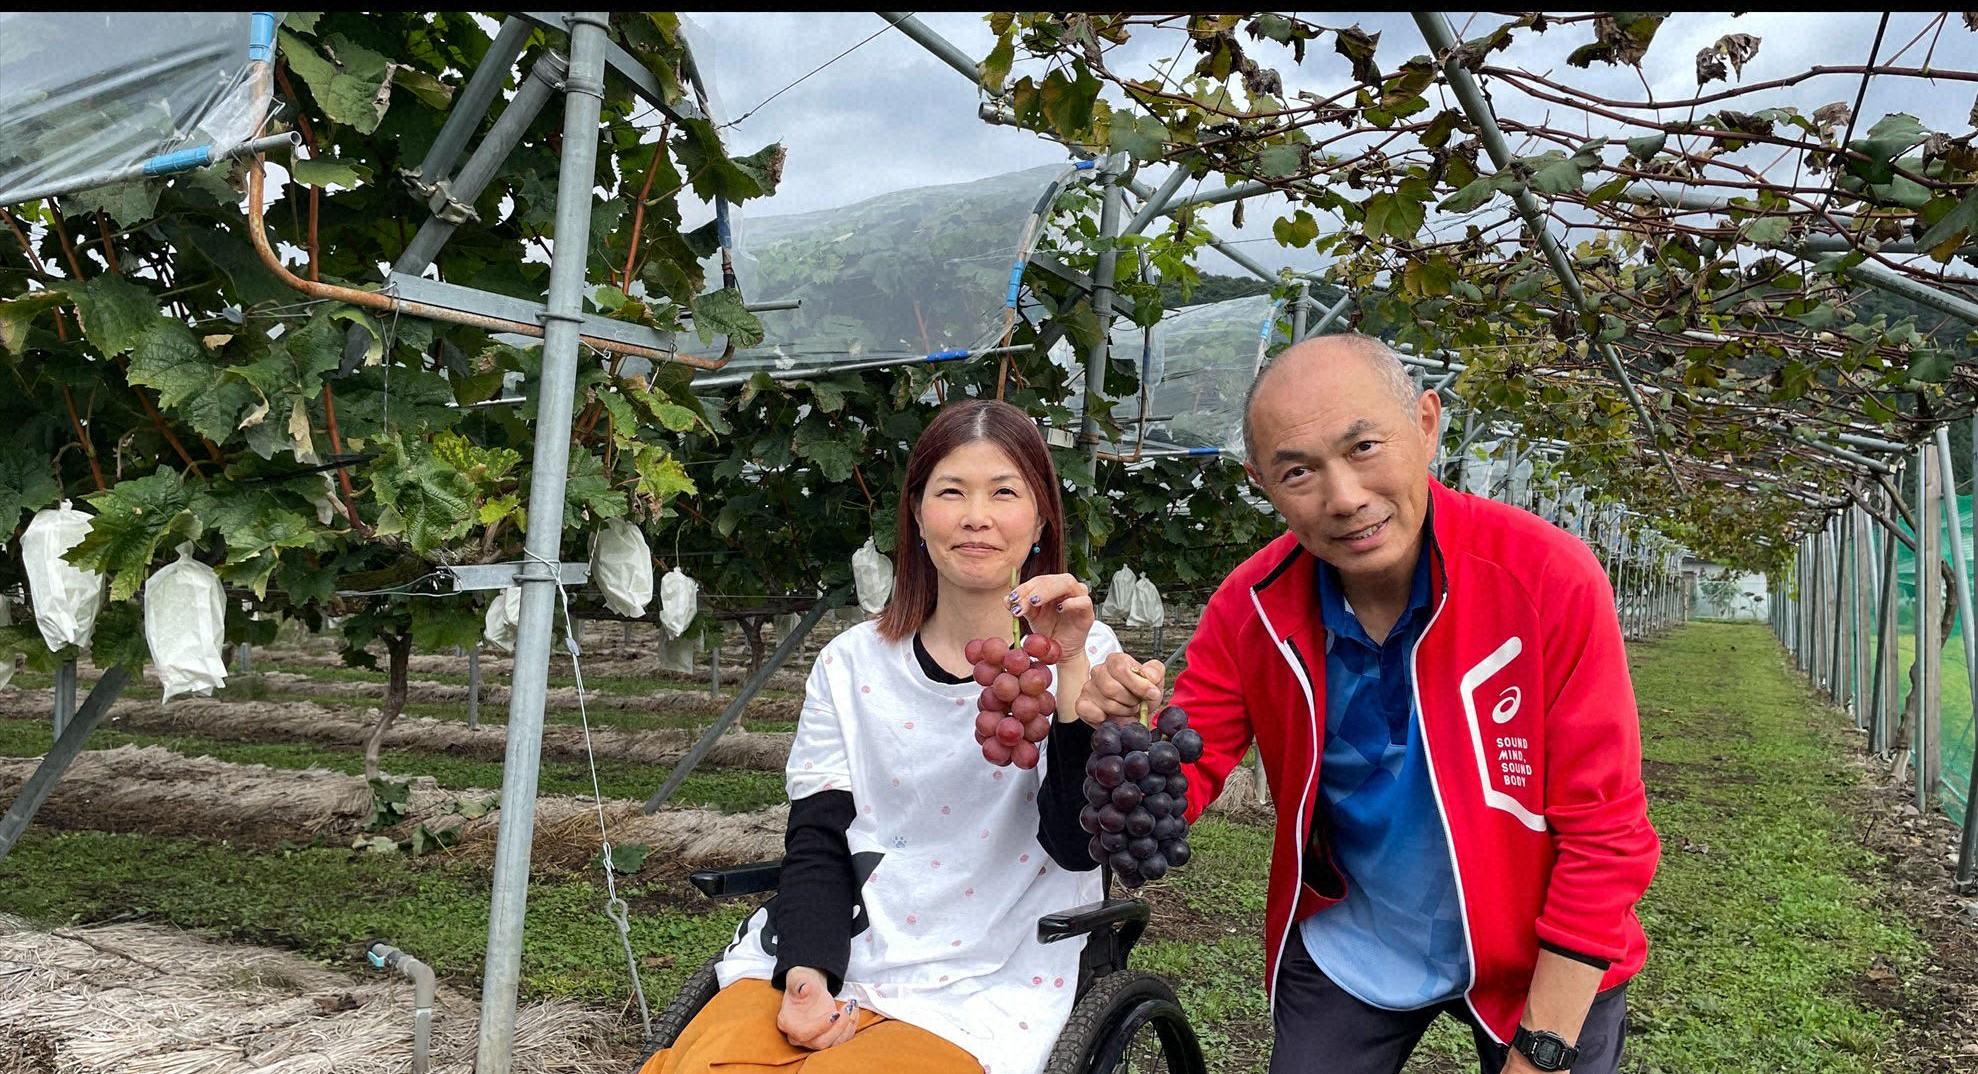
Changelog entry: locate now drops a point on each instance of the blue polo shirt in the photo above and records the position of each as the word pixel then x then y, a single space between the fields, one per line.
pixel 1396 941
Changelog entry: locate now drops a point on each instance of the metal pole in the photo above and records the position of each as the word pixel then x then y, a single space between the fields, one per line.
pixel 714 670
pixel 1929 676
pixel 1882 706
pixel 60 755
pixel 541 572
pixel 65 695
pixel 1151 207
pixel 474 688
pixel 1102 308
pixel 785 649
pixel 1298 312
pixel 1954 525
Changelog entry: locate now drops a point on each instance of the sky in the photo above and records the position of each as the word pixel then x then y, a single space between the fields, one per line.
pixel 890 115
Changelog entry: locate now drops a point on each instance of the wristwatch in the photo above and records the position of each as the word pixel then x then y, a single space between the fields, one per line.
pixel 1546 1050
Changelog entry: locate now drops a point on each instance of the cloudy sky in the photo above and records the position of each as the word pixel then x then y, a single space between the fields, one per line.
pixel 889 115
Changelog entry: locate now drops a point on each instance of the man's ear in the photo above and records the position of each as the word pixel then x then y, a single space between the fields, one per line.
pixel 1428 413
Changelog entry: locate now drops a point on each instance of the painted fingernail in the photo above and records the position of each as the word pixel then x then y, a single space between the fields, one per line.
pixel 1035 599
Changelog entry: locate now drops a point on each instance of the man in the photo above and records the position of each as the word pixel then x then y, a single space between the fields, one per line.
pixel 1436 685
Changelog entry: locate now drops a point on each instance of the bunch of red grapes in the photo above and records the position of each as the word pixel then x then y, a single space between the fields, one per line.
pixel 1016 705
pixel 1137 796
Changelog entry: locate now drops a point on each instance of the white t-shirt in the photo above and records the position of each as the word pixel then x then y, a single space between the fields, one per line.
pixel 945 846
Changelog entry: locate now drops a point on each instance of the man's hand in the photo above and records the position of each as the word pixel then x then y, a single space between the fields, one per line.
pixel 1516 1063
pixel 810 1017
pixel 1119 686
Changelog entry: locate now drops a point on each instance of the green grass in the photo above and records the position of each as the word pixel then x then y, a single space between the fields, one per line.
pixel 1758 925
pixel 326 902
pixel 729 790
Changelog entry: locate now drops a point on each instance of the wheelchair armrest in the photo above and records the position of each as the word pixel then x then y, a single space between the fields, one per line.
pixel 751 879
pixel 1084 920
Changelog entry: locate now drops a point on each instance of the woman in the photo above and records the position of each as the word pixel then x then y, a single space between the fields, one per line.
pixel 914 870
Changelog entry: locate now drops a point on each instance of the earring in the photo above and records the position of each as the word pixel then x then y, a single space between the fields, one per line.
pixel 1036 548
pixel 923 545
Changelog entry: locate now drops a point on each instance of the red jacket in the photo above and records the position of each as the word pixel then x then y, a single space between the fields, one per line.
pixel 1529 723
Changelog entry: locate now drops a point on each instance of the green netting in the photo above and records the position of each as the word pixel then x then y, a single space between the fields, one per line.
pixel 1955 739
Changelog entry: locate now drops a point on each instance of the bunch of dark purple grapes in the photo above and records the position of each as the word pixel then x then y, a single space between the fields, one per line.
pixel 1137 796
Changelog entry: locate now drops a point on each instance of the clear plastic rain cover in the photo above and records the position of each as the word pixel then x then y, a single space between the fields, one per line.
pixel 83 92
pixel 904 274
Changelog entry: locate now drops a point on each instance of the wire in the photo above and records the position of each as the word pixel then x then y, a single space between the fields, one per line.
pixel 745 115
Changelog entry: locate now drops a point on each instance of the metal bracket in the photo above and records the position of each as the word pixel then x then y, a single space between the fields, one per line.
pixel 489 304
pixel 471 576
pixel 447 207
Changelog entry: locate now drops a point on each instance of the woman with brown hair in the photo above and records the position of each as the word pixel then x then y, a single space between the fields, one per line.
pixel 903 936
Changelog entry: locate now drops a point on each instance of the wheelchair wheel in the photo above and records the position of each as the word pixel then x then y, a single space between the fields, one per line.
pixel 695 993
pixel 1127 1023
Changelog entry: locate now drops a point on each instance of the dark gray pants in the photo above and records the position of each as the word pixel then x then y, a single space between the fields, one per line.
pixel 1322 1029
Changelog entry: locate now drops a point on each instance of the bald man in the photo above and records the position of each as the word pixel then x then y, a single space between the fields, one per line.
pixel 1436 686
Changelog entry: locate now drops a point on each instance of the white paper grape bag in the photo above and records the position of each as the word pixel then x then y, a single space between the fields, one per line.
pixel 677 654
pixel 185 624
pixel 1144 609
pixel 66 598
pixel 1120 597
pixel 679 600
pixel 504 617
pixel 873 574
pixel 621 566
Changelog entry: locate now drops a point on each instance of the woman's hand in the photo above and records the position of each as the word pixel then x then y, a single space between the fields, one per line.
pixel 1059 606
pixel 810 1017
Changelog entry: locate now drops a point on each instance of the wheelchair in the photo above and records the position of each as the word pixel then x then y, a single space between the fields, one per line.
pixel 1123 1021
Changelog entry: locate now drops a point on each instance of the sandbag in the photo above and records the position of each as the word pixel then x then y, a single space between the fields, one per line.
pixel 679 602
pixel 185 625
pixel 503 619
pixel 1144 609
pixel 1119 598
pixel 873 574
pixel 66 598
pixel 621 568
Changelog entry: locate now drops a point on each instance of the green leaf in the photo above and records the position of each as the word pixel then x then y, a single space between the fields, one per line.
pixel 1647 146
pixel 1942 240
pixel 188 380
pixel 352 85
pixel 661 477
pixel 699 151
pixel 1767 230
pixel 1557 173
pixel 17 314
pixel 827 448
pixel 294 364
pixel 425 499
pixel 129 204
pixel 25 485
pixel 1890 137
pixel 440 625
pixel 1474 195
pixel 1138 136
pixel 436 94
pixel 1930 365
pixel 1280 161
pixel 328 172
pixel 589 491
pixel 132 519
pixel 116 313
pixel 721 313
pixel 119 638
pixel 994 69
pixel 627 858
pixel 1296 230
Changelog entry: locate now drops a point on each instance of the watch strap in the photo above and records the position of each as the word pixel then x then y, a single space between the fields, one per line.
pixel 1547 1051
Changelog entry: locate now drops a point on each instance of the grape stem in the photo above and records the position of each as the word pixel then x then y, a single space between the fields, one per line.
pixel 1016 625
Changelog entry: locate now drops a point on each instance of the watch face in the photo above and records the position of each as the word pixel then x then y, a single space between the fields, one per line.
pixel 1547 1052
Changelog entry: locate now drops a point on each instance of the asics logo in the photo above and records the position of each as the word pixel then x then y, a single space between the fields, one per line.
pixel 1507 705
